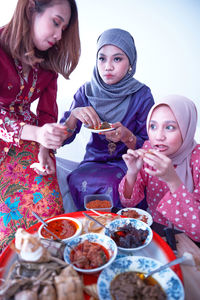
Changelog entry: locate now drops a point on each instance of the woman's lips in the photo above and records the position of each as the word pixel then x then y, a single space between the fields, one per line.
pixel 160 148
pixel 108 75
pixel 51 44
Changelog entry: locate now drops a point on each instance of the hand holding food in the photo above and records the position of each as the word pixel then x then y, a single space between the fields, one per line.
pixel 134 160
pixel 87 115
pixel 161 166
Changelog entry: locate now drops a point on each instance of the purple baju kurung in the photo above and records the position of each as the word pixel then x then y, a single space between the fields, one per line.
pixel 102 170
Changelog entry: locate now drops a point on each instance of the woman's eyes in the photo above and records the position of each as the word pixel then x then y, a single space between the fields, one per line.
pixel 117 59
pixel 152 126
pixel 170 127
pixel 56 23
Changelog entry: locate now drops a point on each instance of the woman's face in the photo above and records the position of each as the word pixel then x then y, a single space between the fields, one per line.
pixel 112 64
pixel 47 26
pixel 164 132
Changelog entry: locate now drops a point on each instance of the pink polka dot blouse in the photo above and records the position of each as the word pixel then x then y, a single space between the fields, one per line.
pixel 181 208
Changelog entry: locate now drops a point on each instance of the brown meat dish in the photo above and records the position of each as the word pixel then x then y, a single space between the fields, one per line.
pixel 128 286
pixel 105 125
pixel 88 255
pixel 128 236
pixel 135 215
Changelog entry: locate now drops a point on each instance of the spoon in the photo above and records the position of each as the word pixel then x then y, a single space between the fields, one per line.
pixel 186 256
pixel 45 228
pixel 56 238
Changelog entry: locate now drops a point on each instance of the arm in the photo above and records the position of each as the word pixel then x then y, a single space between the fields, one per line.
pixel 134 163
pixel 79 112
pixel 182 207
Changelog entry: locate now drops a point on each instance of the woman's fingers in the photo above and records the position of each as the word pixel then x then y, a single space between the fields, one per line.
pixel 87 115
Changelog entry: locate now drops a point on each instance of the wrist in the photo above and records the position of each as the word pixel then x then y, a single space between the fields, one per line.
pixel 129 139
pixel 174 185
pixel 30 133
pixel 70 124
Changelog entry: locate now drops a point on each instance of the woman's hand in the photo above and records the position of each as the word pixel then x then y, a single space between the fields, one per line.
pixel 87 115
pixel 120 133
pixel 134 160
pixel 46 162
pixel 162 168
pixel 51 135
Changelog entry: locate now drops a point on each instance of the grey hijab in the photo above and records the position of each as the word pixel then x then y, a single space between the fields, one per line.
pixel 111 102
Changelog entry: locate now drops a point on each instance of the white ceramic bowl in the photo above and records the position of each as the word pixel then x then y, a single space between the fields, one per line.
pixel 168 280
pixel 100 197
pixel 142 213
pixel 114 225
pixel 74 222
pixel 101 239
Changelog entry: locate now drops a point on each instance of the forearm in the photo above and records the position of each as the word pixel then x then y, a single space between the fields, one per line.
pixel 174 184
pixel 129 140
pixel 129 184
pixel 30 133
pixel 70 124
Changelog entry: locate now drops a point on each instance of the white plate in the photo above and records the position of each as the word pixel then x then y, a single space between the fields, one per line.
pixel 98 130
pixel 115 224
pixel 141 212
pixel 168 280
pixel 101 239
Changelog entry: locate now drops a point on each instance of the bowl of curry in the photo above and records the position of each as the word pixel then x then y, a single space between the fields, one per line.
pixel 90 253
pixel 65 228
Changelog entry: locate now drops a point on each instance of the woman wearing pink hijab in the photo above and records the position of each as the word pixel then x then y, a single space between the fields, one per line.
pixel 167 167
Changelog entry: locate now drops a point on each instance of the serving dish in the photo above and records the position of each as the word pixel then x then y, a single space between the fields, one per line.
pixel 101 197
pixel 138 225
pixel 65 228
pixel 100 239
pixel 168 280
pixel 157 249
pixel 143 215
pixel 98 130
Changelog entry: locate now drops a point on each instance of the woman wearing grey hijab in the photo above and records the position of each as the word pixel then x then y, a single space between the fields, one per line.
pixel 113 95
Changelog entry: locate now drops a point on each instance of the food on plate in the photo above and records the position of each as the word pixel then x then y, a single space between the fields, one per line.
pixel 92 291
pixel 98 204
pixel 134 214
pixel 91 226
pixel 129 285
pixel 26 295
pixel 103 125
pixel 69 285
pixel 89 255
pixel 49 278
pixel 47 293
pixel 63 228
pixel 128 236
pixel 29 247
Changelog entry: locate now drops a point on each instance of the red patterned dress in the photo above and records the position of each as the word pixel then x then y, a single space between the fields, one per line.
pixel 21 189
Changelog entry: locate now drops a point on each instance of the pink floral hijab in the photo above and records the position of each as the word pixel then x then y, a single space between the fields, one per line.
pixel 185 113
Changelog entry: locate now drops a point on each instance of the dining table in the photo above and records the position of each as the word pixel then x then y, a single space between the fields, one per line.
pixel 157 249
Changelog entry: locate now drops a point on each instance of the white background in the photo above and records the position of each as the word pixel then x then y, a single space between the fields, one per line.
pixel 167 39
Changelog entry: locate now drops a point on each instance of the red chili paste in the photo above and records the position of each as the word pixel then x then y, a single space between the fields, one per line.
pixel 98 204
pixel 63 228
